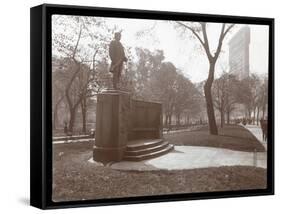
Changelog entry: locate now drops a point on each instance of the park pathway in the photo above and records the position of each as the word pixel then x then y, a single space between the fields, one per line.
pixel 192 157
pixel 257 132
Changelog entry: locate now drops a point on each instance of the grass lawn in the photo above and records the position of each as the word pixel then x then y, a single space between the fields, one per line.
pixel 232 137
pixel 74 178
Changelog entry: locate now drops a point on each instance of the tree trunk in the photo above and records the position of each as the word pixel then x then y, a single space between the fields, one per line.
pixel 258 115
pixel 213 129
pixel 56 113
pixel 84 124
pixel 222 118
pixel 166 119
pixel 55 117
pixel 170 119
pixel 254 116
pixel 249 113
pixel 72 120
pixel 178 119
pixel 263 111
pixel 186 120
pixel 84 115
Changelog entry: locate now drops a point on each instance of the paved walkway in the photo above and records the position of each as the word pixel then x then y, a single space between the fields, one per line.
pixel 191 157
pixel 257 132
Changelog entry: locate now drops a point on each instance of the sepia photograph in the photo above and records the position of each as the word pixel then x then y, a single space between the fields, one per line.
pixel 144 107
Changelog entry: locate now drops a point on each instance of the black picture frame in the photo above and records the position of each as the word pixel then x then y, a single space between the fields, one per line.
pixel 41 107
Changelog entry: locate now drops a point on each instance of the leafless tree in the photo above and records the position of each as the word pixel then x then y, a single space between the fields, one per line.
pixel 199 31
pixel 81 56
pixel 224 95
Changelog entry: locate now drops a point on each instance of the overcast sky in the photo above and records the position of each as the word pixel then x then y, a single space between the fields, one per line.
pixel 184 52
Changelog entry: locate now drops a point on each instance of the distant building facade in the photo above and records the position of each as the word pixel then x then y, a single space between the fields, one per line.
pixel 239 53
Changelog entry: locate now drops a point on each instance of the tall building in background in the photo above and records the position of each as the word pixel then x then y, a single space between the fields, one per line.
pixel 239 53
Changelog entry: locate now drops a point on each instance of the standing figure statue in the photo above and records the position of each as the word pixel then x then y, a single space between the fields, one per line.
pixel 117 56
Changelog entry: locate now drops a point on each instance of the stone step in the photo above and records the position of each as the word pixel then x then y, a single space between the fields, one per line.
pixel 155 154
pixel 141 133
pixel 143 144
pixel 143 151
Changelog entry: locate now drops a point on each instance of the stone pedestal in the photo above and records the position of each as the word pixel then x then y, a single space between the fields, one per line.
pixel 112 119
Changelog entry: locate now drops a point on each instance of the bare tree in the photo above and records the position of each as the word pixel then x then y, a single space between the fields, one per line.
pixel 186 97
pixel 199 31
pixel 163 88
pixel 80 42
pixel 224 95
pixel 220 96
pixel 249 94
pixel 58 95
pixel 263 97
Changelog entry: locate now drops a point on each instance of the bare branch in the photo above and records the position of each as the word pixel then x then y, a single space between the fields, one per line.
pixel 221 38
pixel 220 42
pixel 77 43
pixel 193 31
pixel 94 60
pixel 206 42
pixel 228 29
pixel 70 83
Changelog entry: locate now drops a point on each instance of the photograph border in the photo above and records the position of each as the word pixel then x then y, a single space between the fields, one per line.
pixel 41 103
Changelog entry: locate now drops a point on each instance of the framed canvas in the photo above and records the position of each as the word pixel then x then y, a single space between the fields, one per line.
pixel 132 106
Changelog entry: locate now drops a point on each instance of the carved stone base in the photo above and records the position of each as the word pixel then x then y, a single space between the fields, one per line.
pixel 113 109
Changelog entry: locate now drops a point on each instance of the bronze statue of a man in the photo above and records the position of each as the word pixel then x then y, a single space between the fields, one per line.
pixel 117 56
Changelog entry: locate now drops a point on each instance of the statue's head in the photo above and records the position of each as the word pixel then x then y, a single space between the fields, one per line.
pixel 117 36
